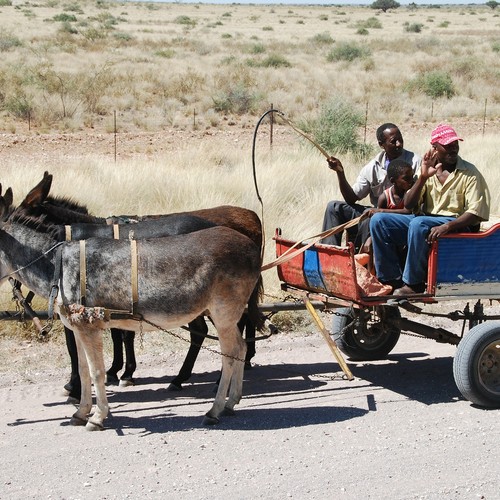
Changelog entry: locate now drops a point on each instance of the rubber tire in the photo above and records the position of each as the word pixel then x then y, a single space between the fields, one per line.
pixel 353 346
pixel 469 360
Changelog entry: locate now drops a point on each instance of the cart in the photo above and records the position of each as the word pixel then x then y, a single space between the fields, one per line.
pixel 462 267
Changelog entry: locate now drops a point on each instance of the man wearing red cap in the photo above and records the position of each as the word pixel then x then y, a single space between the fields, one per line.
pixel 453 196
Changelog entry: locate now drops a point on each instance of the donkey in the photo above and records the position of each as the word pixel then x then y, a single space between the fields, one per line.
pixel 62 211
pixel 164 283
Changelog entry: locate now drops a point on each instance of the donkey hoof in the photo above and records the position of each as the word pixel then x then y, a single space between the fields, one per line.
pixel 112 379
pixel 92 426
pixel 126 382
pixel 209 420
pixel 73 401
pixel 77 421
pixel 228 412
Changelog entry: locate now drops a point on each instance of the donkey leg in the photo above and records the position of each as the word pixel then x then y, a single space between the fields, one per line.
pixel 245 325
pixel 117 365
pixel 95 357
pixel 74 387
pixel 81 415
pixel 130 363
pixel 198 331
pixel 233 352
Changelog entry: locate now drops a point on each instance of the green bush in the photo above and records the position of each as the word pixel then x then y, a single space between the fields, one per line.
pixel 323 39
pixel 433 84
pixel 347 51
pixel 186 20
pixel 495 46
pixel 370 23
pixel 275 61
pixel 238 99
pixel 336 128
pixel 5 3
pixel 8 42
pixel 413 28
pixel 257 48
pixel 65 18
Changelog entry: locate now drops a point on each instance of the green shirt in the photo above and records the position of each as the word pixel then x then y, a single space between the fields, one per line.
pixel 464 190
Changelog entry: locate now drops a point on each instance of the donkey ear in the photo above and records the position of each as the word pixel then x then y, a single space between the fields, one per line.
pixel 39 193
pixel 8 197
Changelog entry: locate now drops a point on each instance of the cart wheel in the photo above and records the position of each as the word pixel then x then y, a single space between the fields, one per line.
pixel 366 335
pixel 476 367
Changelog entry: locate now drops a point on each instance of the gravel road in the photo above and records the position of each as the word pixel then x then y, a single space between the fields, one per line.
pixel 399 430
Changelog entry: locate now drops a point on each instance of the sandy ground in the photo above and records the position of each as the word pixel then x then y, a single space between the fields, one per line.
pixel 400 430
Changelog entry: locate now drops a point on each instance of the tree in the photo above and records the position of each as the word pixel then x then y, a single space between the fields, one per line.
pixel 492 4
pixel 385 5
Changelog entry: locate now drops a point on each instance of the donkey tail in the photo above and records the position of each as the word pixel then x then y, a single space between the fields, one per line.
pixel 254 314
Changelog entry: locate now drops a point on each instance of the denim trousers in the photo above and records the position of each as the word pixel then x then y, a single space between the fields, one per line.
pixel 392 235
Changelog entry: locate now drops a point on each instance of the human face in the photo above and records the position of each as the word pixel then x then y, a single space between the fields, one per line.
pixel 393 143
pixel 447 155
pixel 404 181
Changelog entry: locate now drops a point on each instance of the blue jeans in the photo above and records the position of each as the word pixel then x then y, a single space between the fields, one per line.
pixel 391 233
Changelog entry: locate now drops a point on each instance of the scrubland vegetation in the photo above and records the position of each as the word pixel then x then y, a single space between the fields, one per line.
pixel 70 65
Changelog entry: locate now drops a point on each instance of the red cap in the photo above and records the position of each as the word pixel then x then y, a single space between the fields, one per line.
pixel 444 135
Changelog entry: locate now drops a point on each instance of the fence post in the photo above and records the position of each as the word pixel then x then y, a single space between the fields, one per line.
pixel 271 123
pixel 484 115
pixel 114 127
pixel 366 121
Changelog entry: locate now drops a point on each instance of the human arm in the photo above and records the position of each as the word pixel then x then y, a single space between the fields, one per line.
pixel 429 168
pixel 465 220
pixel 348 194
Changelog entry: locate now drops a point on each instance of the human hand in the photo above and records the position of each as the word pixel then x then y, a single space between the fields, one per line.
pixel 436 232
pixel 335 164
pixel 429 164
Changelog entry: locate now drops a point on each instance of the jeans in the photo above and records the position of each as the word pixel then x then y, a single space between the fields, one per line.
pixel 339 212
pixel 390 234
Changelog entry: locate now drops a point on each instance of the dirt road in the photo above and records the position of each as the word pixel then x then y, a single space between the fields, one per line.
pixel 399 430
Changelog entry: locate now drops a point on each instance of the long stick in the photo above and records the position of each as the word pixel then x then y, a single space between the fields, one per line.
pixel 331 343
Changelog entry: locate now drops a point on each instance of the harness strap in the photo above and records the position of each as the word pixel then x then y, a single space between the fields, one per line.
pixel 134 275
pixel 54 289
pixel 68 232
pixel 116 231
pixel 83 272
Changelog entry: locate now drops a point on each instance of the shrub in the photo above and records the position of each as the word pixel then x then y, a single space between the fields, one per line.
pixel 413 28
pixel 8 42
pixel 257 48
pixel 68 18
pixel 236 99
pixel 5 3
pixel 335 129
pixel 323 39
pixel 433 84
pixel 362 31
pixel 347 51
pixel 495 46
pixel 275 61
pixel 370 23
pixel 165 53
pixel 185 20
